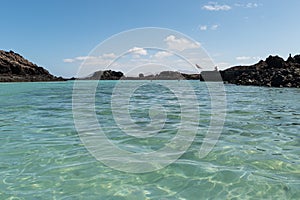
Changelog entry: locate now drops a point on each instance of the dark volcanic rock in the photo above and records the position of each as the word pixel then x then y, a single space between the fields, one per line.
pixel 274 72
pixel 105 75
pixel 275 62
pixel 297 59
pixel 15 68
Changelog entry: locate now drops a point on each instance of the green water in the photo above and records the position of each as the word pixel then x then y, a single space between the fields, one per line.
pixel 42 156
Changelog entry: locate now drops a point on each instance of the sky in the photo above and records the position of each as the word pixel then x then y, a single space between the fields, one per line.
pixel 60 34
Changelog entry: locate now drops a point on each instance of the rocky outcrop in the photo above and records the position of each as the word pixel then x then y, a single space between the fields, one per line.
pixel 104 75
pixel 273 72
pixel 15 68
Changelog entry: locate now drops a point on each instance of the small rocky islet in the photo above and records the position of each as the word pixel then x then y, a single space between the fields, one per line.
pixel 272 72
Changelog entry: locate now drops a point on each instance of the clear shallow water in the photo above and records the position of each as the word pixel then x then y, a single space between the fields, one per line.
pixel 42 157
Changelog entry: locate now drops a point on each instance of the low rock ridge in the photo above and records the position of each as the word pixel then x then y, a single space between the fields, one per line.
pixel 117 75
pixel 15 68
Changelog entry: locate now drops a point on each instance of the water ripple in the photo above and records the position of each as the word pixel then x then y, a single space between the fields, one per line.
pixel 256 157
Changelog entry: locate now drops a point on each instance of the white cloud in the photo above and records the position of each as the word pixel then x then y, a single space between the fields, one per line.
pixel 79 58
pixel 162 54
pixel 83 58
pixel 245 58
pixel 68 60
pixel 251 5
pixel 138 51
pixel 207 27
pixel 247 5
pixel 257 58
pixel 91 59
pixel 180 44
pixel 214 6
pixel 214 27
pixel 109 56
pixel 203 28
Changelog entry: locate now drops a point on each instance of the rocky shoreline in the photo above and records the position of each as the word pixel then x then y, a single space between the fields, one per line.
pixel 15 68
pixel 272 72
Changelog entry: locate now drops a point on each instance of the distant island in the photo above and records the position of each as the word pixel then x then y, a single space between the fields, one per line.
pixel 164 75
pixel 272 72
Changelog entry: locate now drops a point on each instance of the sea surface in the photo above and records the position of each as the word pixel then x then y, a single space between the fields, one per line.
pixel 42 156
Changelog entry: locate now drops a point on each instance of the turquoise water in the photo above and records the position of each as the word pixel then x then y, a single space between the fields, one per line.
pixel 42 156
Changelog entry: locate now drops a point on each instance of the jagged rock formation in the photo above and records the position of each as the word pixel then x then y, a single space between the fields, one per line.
pixel 15 68
pixel 273 72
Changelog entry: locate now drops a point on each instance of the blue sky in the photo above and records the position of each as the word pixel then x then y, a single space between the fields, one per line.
pixel 50 33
